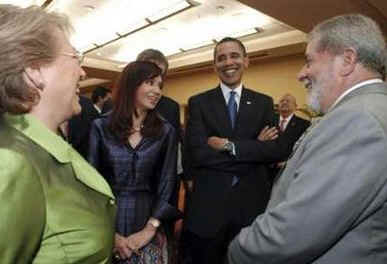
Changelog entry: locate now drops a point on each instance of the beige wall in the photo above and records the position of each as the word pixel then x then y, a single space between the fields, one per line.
pixel 273 77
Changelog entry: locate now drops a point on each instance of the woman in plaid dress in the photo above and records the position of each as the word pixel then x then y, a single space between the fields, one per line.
pixel 135 150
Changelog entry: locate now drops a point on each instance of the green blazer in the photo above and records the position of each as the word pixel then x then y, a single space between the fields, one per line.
pixel 54 207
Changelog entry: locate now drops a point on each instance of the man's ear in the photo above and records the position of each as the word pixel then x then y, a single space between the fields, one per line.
pixel 349 61
pixel 33 76
pixel 214 67
pixel 246 61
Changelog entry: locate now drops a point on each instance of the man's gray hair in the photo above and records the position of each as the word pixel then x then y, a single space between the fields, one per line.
pixel 353 31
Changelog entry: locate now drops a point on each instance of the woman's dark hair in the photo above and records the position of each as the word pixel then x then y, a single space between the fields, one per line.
pixel 121 122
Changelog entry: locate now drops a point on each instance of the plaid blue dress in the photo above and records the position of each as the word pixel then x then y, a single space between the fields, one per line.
pixel 142 178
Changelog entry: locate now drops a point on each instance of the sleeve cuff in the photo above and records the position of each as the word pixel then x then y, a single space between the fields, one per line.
pixel 164 211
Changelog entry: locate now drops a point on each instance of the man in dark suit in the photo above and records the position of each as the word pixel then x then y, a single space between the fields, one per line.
pixel 286 119
pixel 290 126
pixel 79 125
pixel 167 107
pixel 231 184
pixel 100 97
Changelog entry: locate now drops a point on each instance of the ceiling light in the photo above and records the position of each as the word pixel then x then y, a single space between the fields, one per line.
pixel 24 3
pixel 133 27
pixel 197 45
pixel 118 28
pixel 174 8
pixel 238 34
pixel 89 8
pixel 104 37
pixel 245 33
pixel 85 47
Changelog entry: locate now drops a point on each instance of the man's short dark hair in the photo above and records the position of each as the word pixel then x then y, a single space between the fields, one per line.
pixel 153 55
pixel 99 92
pixel 229 39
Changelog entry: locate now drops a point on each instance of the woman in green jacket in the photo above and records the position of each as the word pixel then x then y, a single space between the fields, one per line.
pixel 54 207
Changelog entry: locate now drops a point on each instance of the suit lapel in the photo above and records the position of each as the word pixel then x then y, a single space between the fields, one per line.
pixel 276 120
pixel 246 110
pixel 292 122
pixel 220 111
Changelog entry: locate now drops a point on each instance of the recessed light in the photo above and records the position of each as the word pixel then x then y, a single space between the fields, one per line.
pixel 238 14
pixel 89 8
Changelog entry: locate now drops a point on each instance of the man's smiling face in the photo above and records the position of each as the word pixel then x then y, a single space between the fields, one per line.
pixel 230 63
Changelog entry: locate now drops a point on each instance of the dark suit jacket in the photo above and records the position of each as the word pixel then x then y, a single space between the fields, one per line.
pixel 169 109
pixel 107 106
pixel 295 128
pixel 213 170
pixel 79 126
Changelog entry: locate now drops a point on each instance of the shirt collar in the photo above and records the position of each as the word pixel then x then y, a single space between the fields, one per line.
pixel 286 118
pixel 226 90
pixel 97 108
pixel 353 88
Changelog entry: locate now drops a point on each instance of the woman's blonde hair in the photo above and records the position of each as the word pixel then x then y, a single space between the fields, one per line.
pixel 26 37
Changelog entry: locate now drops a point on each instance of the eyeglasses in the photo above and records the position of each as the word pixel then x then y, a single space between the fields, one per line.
pixel 76 55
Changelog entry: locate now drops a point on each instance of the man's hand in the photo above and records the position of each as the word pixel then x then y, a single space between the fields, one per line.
pixel 268 133
pixel 217 143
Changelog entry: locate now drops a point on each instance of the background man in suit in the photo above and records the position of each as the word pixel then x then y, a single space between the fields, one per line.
pixel 330 203
pixel 100 96
pixel 286 118
pixel 79 125
pixel 167 107
pixel 289 125
pixel 230 186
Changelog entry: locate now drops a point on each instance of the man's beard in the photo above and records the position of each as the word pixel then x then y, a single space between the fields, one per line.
pixel 313 99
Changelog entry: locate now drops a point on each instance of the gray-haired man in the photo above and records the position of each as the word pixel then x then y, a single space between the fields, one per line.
pixel 330 204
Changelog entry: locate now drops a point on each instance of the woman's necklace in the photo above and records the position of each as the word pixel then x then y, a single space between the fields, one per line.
pixel 138 128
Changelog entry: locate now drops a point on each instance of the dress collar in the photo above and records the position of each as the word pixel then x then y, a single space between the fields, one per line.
pixel 54 144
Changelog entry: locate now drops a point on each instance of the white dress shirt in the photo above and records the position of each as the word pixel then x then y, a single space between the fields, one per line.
pixel 226 93
pixel 97 108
